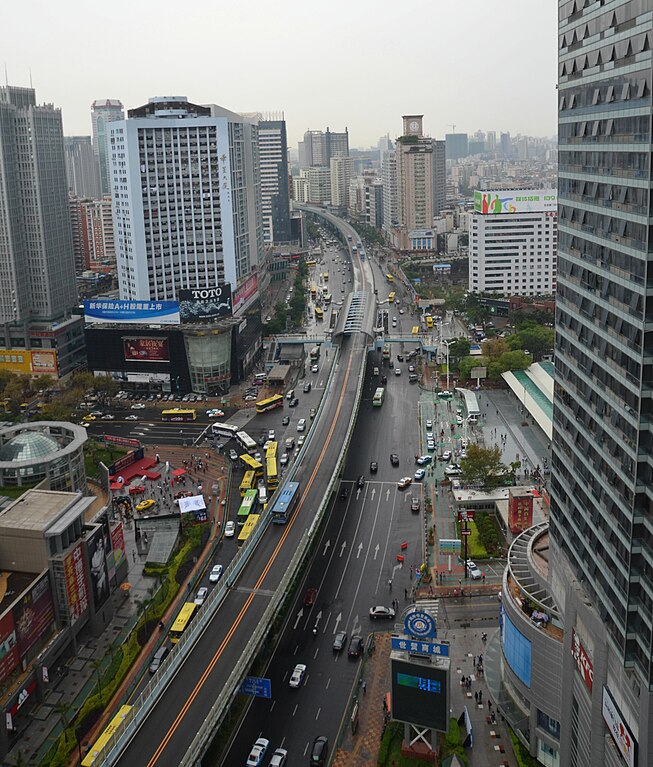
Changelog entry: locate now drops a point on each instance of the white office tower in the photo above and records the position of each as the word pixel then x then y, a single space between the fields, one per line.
pixel 389 178
pixel 186 198
pixel 103 112
pixel 513 240
pixel 341 173
pixel 81 167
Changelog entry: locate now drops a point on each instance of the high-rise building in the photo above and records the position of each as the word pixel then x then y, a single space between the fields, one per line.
pixel 82 169
pixel 506 145
pixel 491 141
pixel 439 176
pixel 389 178
pixel 103 112
pixel 317 189
pixel 186 198
pixel 414 156
pixel 317 148
pixel 602 484
pixel 36 249
pixel 457 145
pixel 275 196
pixel 512 242
pixel 341 174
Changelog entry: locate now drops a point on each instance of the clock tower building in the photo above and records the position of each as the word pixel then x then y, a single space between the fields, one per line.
pixel 413 125
pixel 415 186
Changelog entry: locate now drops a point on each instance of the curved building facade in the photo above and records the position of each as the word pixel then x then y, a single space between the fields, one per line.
pixel 43 450
pixel 524 660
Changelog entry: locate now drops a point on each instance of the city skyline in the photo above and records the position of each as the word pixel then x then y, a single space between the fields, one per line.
pixel 440 80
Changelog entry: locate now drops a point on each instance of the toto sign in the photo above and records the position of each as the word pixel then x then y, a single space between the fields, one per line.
pixel 583 662
pixel 201 304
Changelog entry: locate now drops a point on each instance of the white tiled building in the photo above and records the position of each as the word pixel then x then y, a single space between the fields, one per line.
pixel 513 242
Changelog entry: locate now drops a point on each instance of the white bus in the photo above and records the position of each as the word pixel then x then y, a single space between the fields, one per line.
pixel 224 430
pixel 379 396
pixel 246 442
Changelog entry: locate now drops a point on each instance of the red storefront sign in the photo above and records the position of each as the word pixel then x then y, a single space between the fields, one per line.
pixel 583 662
pixel 146 349
pixel 520 512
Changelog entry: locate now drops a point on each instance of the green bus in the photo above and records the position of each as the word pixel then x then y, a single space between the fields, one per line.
pixel 379 395
pixel 247 507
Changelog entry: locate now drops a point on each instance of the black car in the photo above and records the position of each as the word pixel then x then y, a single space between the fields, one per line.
pixel 355 646
pixel 307 387
pixel 374 467
pixel 285 420
pixel 320 751
pixel 360 482
pixel 339 641
pixel 400 358
pixel 262 440
pixel 384 379
pixel 293 402
pixel 344 493
pixel 394 459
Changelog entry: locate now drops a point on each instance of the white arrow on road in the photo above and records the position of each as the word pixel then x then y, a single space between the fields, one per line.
pixel 387 494
pixel 300 615
pixel 376 550
pixel 318 617
pixel 358 493
pixel 343 547
pixel 373 492
pixel 326 547
pixel 338 619
pixel 360 548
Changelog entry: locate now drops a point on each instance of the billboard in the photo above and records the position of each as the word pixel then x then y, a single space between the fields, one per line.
pixel 34 615
pixel 44 362
pixel 582 659
pixel 146 349
pixel 9 657
pixel 245 293
pixel 76 585
pixel 516 201
pixel 619 730
pixel 29 362
pixel 131 312
pixel 202 304
pixel 420 694
pixel 520 511
pixel 118 544
pixel 97 557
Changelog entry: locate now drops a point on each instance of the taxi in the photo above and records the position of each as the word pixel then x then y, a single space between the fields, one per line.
pixel 145 505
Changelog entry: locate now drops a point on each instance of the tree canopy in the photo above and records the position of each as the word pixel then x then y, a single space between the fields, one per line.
pixel 483 467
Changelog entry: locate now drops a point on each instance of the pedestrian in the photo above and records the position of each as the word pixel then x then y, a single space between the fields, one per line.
pixel 364 687
pixel 480 696
pixel 463 680
pixel 474 661
pixel 406 594
pixel 411 571
pixel 476 696
pixel 134 556
pixel 483 576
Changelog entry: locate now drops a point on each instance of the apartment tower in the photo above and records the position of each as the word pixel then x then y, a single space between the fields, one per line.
pixel 103 112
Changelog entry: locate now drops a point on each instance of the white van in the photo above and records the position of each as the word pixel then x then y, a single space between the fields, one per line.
pixel 301 424
pixel 375 371
pixel 290 395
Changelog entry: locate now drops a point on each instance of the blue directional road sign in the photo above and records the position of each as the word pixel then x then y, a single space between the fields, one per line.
pixel 420 647
pixel 257 686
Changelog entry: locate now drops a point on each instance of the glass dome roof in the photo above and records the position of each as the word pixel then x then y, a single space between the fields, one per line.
pixel 29 446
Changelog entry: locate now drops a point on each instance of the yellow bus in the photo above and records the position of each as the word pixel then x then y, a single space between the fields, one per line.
pixel 247 529
pixel 178 414
pixel 95 753
pixel 325 276
pixel 271 468
pixel 184 617
pixel 252 465
pixel 429 321
pixel 389 278
pixel 391 298
pixel 276 400
pixel 249 482
pixel 319 314
pixel 415 330
pixel 311 262
pixel 313 291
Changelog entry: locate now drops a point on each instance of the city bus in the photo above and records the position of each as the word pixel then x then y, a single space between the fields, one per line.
pixel 224 430
pixel 326 297
pixel 319 314
pixel 285 503
pixel 391 298
pixel 247 528
pixel 325 276
pixel 386 351
pixel 276 400
pixel 379 395
pixel 271 469
pixel 311 262
pixel 245 442
pixel 313 291
pixel 429 321
pixel 95 752
pixel 252 465
pixel 315 353
pixel 389 278
pixel 249 481
pixel 179 414
pixel 184 617
pixel 247 507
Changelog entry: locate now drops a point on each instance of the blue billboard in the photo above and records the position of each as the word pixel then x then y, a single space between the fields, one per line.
pixel 131 312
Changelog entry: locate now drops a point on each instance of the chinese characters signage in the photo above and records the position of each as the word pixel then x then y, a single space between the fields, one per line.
pixel 619 730
pixel 515 201
pixel 583 663
pixel 76 585
pixel 146 350
pixel 131 312
pixel 420 648
pixel 520 511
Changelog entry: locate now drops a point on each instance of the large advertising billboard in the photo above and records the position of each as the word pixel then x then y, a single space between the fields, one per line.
pixel 34 615
pixel 118 544
pixel 44 362
pixel 245 294
pixel 97 557
pixel 146 349
pixel 76 583
pixel 420 694
pixel 131 312
pixel 515 201
pixel 619 729
pixel 29 362
pixel 9 657
pixel 202 304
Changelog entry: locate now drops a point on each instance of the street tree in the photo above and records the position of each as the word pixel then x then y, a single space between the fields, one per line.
pixel 482 467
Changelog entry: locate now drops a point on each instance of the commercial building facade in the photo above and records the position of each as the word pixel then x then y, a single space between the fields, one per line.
pixel 275 194
pixel 513 242
pixel 103 112
pixel 82 168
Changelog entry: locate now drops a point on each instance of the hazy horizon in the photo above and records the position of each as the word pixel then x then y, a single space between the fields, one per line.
pixel 355 66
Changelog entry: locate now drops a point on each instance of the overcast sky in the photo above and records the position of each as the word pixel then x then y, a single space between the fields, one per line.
pixel 355 63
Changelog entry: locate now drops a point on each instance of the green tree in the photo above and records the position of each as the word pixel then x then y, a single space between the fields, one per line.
pixel 105 386
pixel 56 411
pixel 458 349
pixel 536 338
pixel 482 467
pixel 493 348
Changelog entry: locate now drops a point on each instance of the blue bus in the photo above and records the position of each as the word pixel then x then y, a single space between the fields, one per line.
pixel 285 503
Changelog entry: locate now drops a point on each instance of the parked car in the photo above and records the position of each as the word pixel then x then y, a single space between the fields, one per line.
pixel 320 751
pixel 404 482
pixel 472 570
pixel 136 490
pixel 379 611
pixel 159 656
pixel 215 574
pixel 297 676
pixel 446 455
pixel 145 505
pixel 355 646
pixel 414 503
pixel 233 455
pixel 453 470
pixel 424 459
pixel 419 474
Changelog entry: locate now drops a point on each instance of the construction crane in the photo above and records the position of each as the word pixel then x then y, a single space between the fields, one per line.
pixel 452 125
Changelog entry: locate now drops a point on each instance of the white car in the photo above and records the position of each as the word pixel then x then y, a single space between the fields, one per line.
pixel 108 417
pixel 429 424
pixel 230 529
pixel 297 676
pixel 257 753
pixel 215 574
pixel 446 456
pixel 138 406
pixel 279 758
pixel 284 459
pixel 201 596
pixel 131 418
pixel 397 371
pixel 271 435
pixel 453 470
pixel 474 573
pixel 315 368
